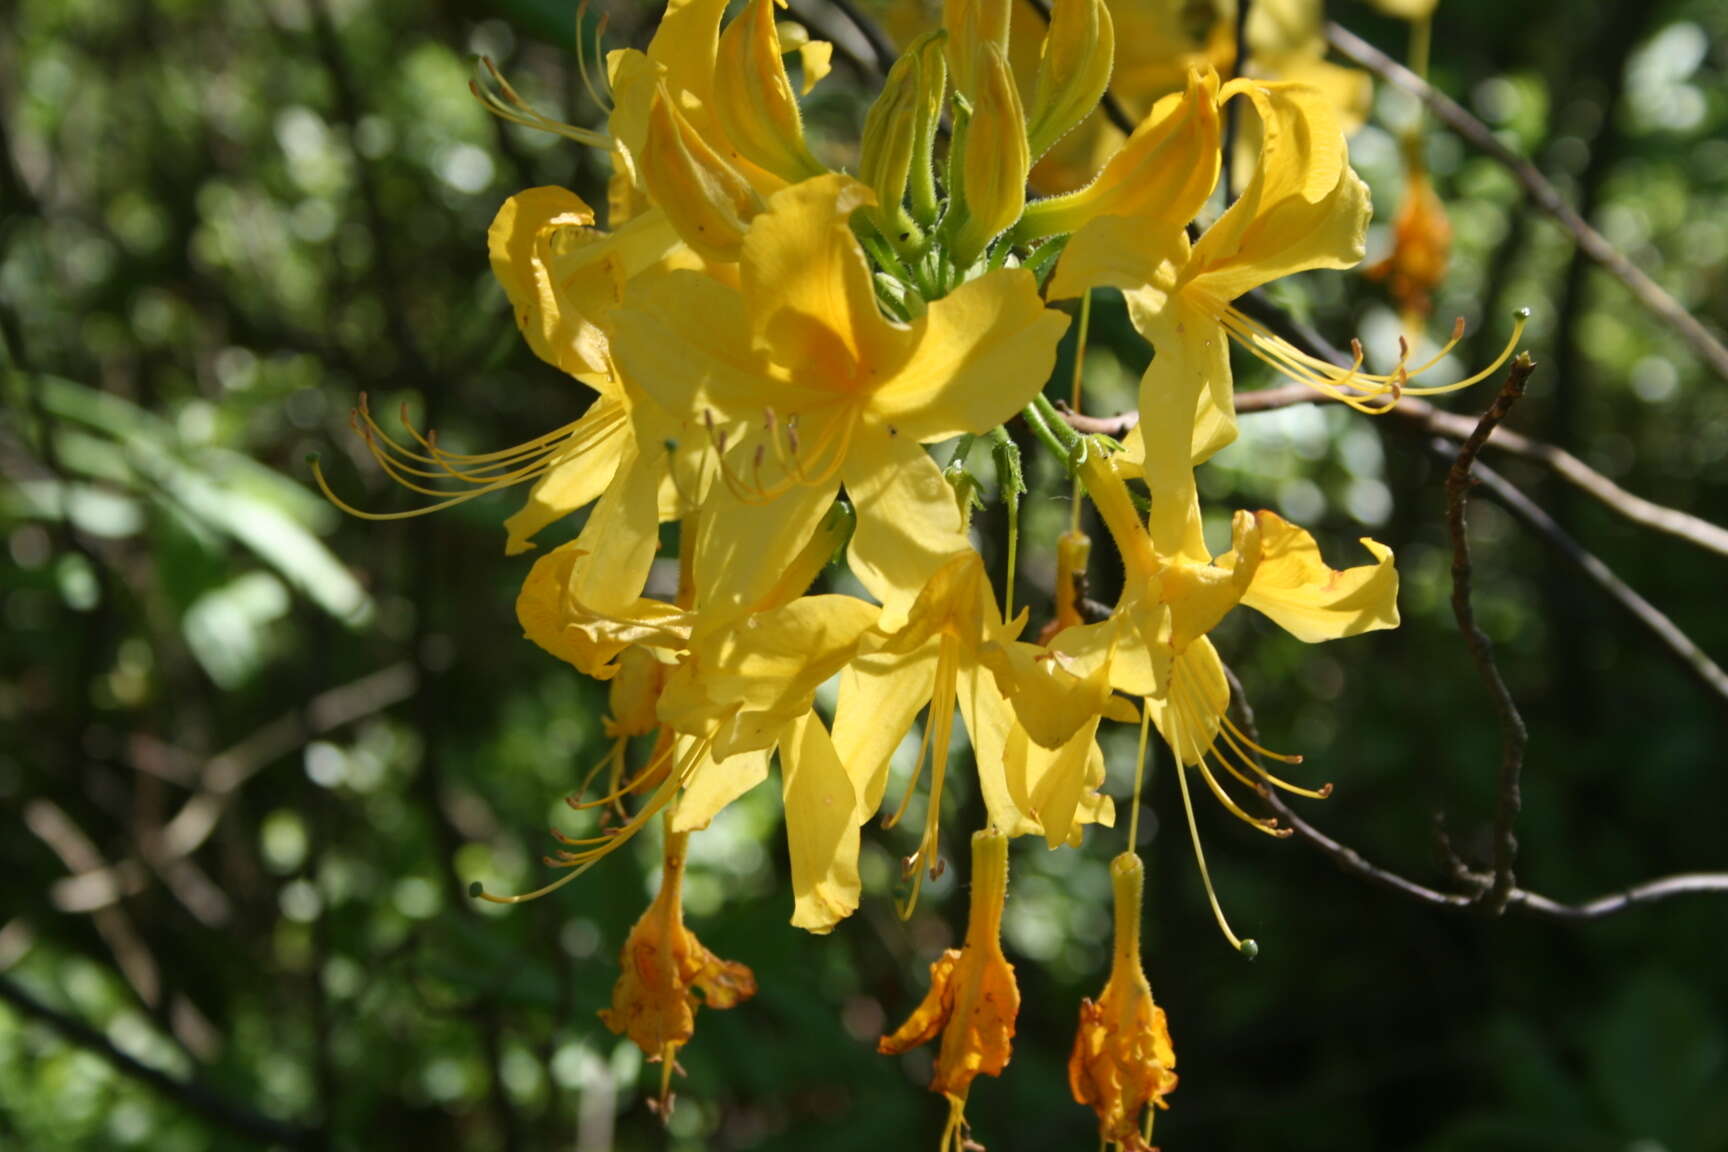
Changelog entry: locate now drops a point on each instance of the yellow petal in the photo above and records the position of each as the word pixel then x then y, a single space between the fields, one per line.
pixel 1123 252
pixel 1311 601
pixel 881 694
pixel 981 353
pixel 525 235
pixel 1200 595
pixel 714 783
pixel 753 98
pixel 622 533
pixel 908 522
pixel 1189 715
pixel 570 630
pixel 688 368
pixel 1305 208
pixel 584 467
pixel 1185 397
pixel 1007 758
pixel 685 45
pixel 1162 175
pixel 743 544
pixel 1069 776
pixel 812 305
pixel 707 199
pixel 768 665
pixel 821 827
pixel 815 57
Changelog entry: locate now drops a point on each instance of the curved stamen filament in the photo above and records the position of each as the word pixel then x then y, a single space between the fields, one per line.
pixel 506 104
pixel 631 786
pixel 1234 740
pixel 1331 380
pixel 819 466
pixel 1242 737
pixel 596 94
pixel 1175 737
pixel 1181 698
pixel 1255 767
pixel 938 731
pixel 580 862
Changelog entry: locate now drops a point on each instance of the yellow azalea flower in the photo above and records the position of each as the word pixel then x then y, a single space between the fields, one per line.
pixel 943 657
pixel 1304 209
pixel 973 998
pixel 564 279
pixel 734 685
pixel 667 975
pixel 1155 644
pixel 1123 1064
pixel 806 387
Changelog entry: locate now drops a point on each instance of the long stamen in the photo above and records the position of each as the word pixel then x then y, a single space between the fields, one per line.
pixel 1181 697
pixel 1234 741
pixel 1247 947
pixel 1242 737
pixel 1255 766
pixel 938 730
pixel 1140 774
pixel 1330 379
pixel 582 54
pixel 506 104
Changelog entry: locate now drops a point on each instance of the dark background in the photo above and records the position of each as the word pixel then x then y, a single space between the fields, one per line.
pixel 252 751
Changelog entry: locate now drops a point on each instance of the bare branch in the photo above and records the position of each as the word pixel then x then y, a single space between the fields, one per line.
pixel 1114 426
pixel 1513 734
pixel 1531 903
pixel 189 1094
pixel 1669 634
pixel 1543 194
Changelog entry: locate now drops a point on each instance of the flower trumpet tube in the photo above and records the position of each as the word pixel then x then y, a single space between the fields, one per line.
pixel 973 998
pixel 667 975
pixel 1123 1064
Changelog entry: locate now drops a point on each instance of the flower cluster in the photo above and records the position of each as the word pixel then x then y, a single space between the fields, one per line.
pixel 774 345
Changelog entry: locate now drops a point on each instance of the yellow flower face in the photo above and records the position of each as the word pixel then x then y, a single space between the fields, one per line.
pixel 805 387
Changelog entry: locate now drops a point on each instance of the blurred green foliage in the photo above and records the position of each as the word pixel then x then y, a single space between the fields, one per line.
pixel 252 751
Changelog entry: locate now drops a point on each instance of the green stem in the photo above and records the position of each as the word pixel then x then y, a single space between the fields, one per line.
pixel 1011 481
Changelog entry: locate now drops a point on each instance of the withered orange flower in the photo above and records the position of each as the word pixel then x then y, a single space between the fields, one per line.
pixel 973 998
pixel 665 967
pixel 1123 1063
pixel 1421 243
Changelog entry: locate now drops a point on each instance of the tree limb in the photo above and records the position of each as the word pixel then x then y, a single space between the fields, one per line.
pixel 1513 734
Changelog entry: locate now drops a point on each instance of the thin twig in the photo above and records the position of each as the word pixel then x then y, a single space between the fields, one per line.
pixel 1513 734
pixel 1520 900
pixel 1532 517
pixel 1116 426
pixel 1543 194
